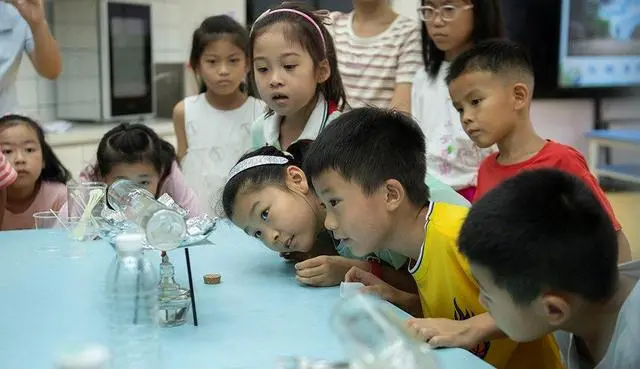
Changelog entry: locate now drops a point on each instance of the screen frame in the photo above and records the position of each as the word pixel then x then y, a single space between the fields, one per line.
pixel 591 91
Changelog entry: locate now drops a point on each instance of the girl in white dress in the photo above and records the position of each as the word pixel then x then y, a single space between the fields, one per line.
pixel 213 128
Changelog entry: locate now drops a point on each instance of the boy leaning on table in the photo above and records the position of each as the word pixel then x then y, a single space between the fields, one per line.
pixel 542 248
pixel 8 175
pixel 368 168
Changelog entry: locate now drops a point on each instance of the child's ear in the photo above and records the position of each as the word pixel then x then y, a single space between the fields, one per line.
pixel 296 180
pixel 556 308
pixel 521 95
pixel 394 194
pixel 323 71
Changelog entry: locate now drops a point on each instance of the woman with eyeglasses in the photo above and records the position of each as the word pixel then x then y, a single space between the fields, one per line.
pixel 450 27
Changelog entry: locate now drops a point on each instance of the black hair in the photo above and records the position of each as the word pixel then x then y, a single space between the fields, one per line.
pixel 134 143
pixel 302 31
pixel 487 24
pixel 369 146
pixel 256 178
pixel 496 56
pixel 53 170
pixel 212 29
pixel 543 229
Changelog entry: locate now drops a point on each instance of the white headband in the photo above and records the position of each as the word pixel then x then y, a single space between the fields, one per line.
pixel 256 161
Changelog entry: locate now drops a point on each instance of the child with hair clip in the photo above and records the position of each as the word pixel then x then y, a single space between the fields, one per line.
pixel 449 28
pixel 41 179
pixel 296 73
pixel 212 128
pixel 135 152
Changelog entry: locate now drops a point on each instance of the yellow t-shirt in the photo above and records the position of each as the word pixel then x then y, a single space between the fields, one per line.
pixel 447 290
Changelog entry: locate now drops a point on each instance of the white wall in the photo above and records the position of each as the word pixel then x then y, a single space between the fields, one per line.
pixel 563 120
pixel 173 24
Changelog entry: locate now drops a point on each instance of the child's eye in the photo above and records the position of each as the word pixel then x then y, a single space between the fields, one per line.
pixel 290 66
pixel 7 151
pixel 234 61
pixel 265 214
pixel 144 183
pixel 211 61
pixel 257 234
pixel 475 102
pixel 30 149
pixel 333 203
pixel 262 69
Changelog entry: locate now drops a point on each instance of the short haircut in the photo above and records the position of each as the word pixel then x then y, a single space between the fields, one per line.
pixel 498 56
pixel 369 146
pixel 543 229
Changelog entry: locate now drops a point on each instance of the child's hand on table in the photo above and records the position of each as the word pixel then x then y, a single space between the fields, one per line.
pixel 323 271
pixel 466 334
pixel 373 285
pixel 439 332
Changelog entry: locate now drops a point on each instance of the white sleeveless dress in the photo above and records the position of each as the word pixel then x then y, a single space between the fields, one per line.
pixel 216 139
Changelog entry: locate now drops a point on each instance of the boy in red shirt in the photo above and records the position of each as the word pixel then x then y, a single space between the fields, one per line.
pixel 491 86
pixel 7 177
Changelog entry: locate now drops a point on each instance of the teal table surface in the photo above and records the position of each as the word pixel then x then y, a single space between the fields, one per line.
pixel 52 293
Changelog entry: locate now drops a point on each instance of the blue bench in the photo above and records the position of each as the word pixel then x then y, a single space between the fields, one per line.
pixel 627 139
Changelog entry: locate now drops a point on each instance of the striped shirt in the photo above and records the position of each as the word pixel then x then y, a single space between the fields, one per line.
pixel 371 67
pixel 7 173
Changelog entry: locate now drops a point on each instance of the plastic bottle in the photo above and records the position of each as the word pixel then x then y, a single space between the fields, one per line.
pixel 132 293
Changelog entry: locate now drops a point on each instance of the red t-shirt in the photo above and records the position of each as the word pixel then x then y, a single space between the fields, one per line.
pixel 552 155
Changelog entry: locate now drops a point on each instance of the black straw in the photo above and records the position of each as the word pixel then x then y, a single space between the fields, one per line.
pixel 193 291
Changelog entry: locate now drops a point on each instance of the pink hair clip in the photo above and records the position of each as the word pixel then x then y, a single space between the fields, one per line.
pixel 294 11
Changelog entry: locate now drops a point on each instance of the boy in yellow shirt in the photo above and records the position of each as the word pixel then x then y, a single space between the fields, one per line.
pixel 368 168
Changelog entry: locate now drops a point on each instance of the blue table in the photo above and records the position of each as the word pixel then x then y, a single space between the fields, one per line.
pixel 624 139
pixel 256 315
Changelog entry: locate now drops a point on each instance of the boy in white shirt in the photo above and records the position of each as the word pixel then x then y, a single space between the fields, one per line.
pixel 543 251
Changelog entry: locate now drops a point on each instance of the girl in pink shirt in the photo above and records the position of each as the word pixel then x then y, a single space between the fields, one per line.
pixel 41 179
pixel 137 153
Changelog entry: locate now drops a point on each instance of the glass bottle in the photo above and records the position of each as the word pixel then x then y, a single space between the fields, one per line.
pixel 376 337
pixel 164 227
pixel 174 300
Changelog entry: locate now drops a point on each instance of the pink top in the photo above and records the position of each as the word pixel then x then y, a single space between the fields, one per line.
pixel 175 185
pixel 52 195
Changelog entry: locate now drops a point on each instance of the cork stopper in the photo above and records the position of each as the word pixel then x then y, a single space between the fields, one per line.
pixel 213 278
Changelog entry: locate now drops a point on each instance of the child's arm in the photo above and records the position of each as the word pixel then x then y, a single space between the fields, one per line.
pixel 409 302
pixel 178 127
pixel 409 62
pixel 8 175
pixel 330 270
pixel 441 332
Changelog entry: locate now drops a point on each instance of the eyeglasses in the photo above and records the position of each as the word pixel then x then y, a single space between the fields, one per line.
pixel 447 13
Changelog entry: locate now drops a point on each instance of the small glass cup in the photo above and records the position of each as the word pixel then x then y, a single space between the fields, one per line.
pixel 49 221
pixel 54 222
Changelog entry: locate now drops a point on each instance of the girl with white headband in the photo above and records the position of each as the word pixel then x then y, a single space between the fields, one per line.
pixel 296 74
pixel 268 196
